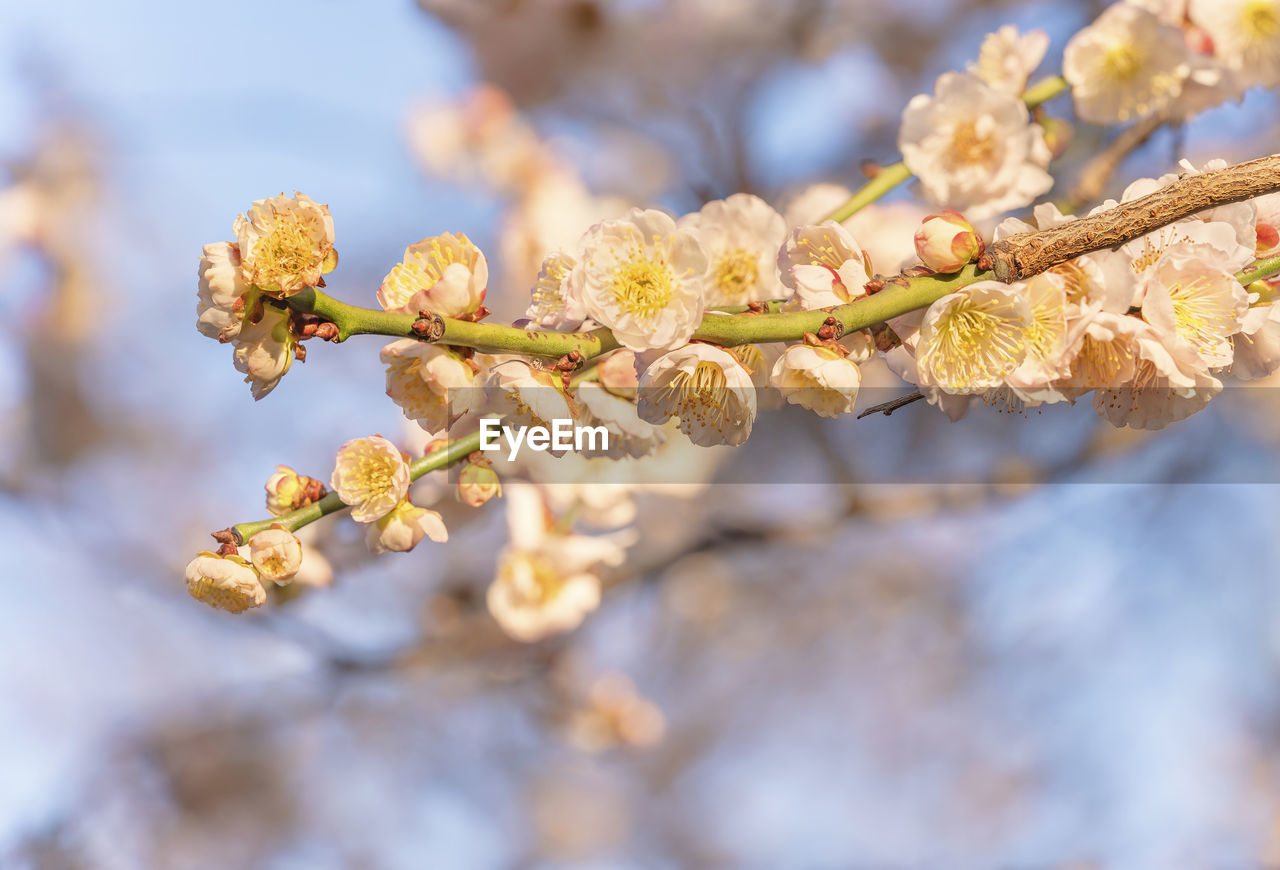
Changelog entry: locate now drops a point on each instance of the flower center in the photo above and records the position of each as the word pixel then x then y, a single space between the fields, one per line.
pixel 286 250
pixel 642 286
pixel 1122 62
pixel 1260 20
pixel 547 295
pixel 968 147
pixel 533 580
pixel 974 347
pixel 440 256
pixel 1100 364
pixel 1197 318
pixel 736 272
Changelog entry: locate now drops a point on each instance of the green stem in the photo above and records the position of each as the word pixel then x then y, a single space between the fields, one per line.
pixel 456 452
pixel 728 330
pixel 891 176
pixel 1259 270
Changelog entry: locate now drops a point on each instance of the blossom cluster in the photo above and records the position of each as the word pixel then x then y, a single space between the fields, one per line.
pixel 1147 330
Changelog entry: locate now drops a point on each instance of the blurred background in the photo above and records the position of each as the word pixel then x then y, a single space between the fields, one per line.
pixel 1042 669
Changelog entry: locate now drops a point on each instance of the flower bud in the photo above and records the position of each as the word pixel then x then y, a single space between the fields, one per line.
pixel 227 582
pixel 477 483
pixel 946 241
pixel 287 491
pixel 1268 238
pixel 276 553
pixel 404 527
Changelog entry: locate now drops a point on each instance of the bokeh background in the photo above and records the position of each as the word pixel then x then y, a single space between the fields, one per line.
pixel 1045 669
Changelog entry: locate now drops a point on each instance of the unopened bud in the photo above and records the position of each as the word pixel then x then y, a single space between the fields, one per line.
pixel 1268 237
pixel 946 241
pixel 477 483
pixel 287 490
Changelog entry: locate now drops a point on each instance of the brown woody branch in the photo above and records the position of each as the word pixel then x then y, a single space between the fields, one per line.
pixel 1026 254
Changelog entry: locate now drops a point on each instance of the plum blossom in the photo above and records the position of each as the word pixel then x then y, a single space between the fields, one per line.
pixel 628 434
pixel 264 351
pixel 642 276
pixel 706 388
pixel 1046 339
pixel 1166 386
pixel 431 384
pixel 403 528
pixel 1195 304
pixel 974 147
pixel 555 304
pixel 823 265
pixel 741 236
pixel 276 553
pixel 972 339
pixel 546 582
pixel 1245 34
pixel 1125 64
pixel 818 378
pixel 222 286
pixel 371 476
pixel 1008 58
pixel 286 243
pixel 445 274
pixel 227 582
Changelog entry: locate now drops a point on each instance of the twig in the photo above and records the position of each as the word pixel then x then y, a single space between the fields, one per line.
pixel 1097 172
pixel 1026 254
pixel 892 405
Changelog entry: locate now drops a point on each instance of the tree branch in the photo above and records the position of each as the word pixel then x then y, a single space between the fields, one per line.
pixel 1026 254
pixel 457 451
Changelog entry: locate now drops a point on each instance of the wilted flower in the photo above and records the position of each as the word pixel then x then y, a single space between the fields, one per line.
pixel 946 242
pixel 822 380
pixel 371 476
pixel 642 277
pixel 276 553
pixel 286 243
pixel 264 351
pixel 226 582
pixel 706 388
pixel 741 236
pixel 1126 63
pixel 221 287
pixel 445 274
pixel 970 340
pixel 404 527
pixel 973 147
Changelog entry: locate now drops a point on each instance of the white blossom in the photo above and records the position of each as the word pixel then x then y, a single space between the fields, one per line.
pixel 741 236
pixel 974 147
pixel 706 388
pixel 822 380
pixel 642 277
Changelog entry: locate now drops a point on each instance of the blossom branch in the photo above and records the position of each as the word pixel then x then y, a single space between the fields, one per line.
pixel 1026 254
pixel 890 177
pixel 901 295
pixel 455 452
